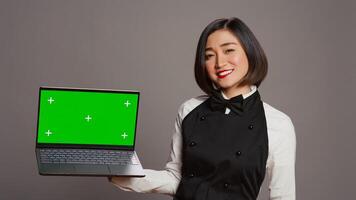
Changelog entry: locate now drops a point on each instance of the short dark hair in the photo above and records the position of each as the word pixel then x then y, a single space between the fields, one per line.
pixel 257 61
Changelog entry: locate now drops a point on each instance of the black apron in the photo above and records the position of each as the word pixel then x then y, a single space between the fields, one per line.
pixel 224 155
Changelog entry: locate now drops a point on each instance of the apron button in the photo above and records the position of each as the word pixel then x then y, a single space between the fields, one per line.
pixel 238 153
pixel 192 144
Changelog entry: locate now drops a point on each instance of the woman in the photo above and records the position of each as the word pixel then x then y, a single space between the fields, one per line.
pixel 225 142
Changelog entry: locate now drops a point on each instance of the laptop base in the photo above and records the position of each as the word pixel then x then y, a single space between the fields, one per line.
pixel 67 169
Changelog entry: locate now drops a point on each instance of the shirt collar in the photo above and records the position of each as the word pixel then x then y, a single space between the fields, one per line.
pixel 253 90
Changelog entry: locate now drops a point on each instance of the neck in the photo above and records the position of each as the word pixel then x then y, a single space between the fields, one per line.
pixel 233 92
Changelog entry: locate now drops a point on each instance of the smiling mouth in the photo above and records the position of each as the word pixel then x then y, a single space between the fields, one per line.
pixel 224 73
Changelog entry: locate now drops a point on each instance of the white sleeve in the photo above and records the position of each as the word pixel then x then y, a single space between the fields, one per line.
pixel 281 169
pixel 164 181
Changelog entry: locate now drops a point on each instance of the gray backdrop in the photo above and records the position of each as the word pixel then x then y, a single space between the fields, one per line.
pixel 150 46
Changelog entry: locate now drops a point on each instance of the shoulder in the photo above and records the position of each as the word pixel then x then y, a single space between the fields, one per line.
pixel 276 117
pixel 279 126
pixel 187 106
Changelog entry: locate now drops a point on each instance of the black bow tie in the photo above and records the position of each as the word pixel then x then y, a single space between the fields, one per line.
pixel 218 102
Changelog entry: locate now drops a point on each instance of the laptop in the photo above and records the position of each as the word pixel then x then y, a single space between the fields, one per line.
pixel 87 132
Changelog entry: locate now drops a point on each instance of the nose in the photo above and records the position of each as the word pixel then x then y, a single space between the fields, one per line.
pixel 220 61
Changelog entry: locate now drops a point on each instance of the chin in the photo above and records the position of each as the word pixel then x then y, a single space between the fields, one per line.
pixel 224 86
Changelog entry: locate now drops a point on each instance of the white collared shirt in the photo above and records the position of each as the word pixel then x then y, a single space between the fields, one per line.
pixel 280 162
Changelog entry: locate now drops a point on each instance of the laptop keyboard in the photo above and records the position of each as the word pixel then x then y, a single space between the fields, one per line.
pixel 87 156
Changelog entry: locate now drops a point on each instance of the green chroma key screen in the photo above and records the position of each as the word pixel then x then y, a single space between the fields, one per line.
pixel 87 117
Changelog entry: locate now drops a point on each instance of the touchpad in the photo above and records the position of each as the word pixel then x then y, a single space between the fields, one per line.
pixel 92 169
pixel 67 168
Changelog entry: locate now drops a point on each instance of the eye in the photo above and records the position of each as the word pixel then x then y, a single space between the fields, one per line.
pixel 208 56
pixel 229 50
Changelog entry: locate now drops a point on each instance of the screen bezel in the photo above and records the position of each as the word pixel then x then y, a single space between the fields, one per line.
pixel 87 146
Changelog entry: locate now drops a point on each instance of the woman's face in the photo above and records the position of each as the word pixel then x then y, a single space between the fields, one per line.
pixel 225 60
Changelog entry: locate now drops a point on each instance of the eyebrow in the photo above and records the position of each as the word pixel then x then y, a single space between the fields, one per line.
pixel 224 44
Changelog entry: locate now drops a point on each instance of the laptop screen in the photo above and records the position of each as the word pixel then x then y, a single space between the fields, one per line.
pixel 87 117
